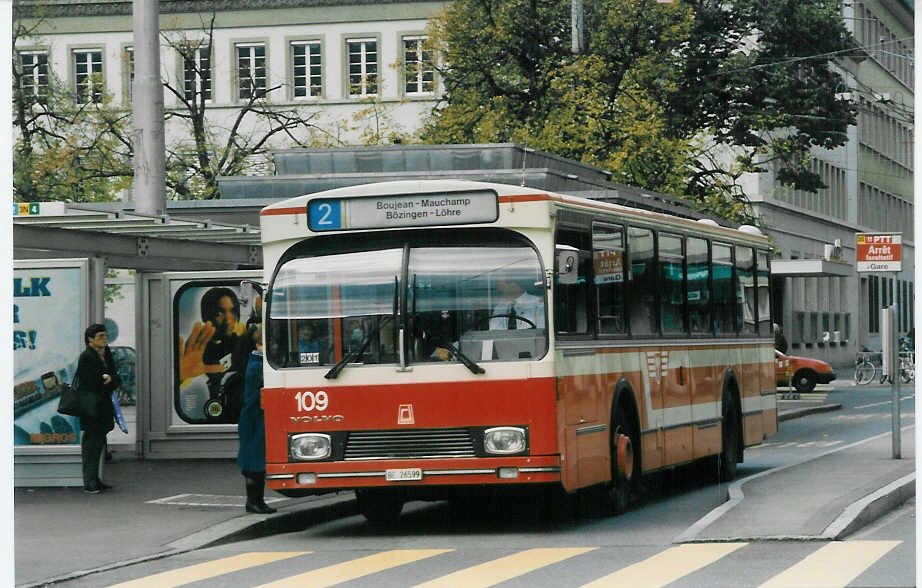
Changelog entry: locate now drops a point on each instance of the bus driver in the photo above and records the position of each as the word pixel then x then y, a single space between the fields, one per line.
pixel 516 309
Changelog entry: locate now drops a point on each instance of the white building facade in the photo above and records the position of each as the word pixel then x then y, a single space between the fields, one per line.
pixel 354 65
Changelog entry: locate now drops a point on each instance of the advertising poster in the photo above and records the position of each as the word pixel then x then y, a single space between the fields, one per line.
pixel 47 340
pixel 210 352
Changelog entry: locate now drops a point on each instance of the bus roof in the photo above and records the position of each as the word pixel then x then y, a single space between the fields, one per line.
pixel 506 193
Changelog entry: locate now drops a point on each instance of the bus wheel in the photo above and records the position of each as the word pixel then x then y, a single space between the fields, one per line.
pixel 380 506
pixel 625 462
pixel 730 437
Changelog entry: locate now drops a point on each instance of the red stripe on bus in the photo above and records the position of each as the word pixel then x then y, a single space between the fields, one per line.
pixel 275 211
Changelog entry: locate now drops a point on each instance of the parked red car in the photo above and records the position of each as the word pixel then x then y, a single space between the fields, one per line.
pixel 806 373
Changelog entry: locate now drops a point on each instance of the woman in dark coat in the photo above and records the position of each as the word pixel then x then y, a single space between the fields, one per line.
pixel 96 378
pixel 251 431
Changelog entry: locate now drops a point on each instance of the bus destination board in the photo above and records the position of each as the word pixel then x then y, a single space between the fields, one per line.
pixel 410 210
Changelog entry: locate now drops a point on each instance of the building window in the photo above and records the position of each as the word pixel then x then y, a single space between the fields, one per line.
pixel 363 66
pixel 128 72
pixel 88 78
pixel 196 68
pixel 419 73
pixel 307 74
pixel 34 67
pixel 251 71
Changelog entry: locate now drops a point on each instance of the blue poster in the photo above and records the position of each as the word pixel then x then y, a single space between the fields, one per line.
pixel 47 339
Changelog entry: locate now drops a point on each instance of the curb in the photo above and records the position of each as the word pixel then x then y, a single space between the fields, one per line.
pixel 855 516
pixel 872 507
pixel 799 412
pixel 319 510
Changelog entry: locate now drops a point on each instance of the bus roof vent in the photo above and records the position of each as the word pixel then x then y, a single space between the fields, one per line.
pixel 707 221
pixel 751 230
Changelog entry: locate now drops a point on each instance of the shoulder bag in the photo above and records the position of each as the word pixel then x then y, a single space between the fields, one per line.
pixel 70 399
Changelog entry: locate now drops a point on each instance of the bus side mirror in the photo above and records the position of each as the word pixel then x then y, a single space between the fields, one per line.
pixel 567 260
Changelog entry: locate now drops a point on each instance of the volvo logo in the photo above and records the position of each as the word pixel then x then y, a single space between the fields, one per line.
pixel 326 418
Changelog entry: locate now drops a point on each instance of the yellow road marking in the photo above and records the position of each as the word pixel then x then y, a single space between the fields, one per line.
pixel 834 564
pixel 356 568
pixel 667 566
pixel 504 568
pixel 209 569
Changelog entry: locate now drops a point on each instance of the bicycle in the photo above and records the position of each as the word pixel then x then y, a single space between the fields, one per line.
pixel 907 367
pixel 865 370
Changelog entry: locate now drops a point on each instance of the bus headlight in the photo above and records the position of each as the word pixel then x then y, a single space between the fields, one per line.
pixel 504 440
pixel 309 446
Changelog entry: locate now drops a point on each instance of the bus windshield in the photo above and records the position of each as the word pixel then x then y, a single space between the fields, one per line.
pixel 482 301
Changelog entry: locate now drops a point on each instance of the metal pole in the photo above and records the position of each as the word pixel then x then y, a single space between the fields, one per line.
pixel 892 356
pixel 147 111
pixel 895 384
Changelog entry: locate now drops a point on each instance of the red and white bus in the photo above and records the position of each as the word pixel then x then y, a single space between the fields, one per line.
pixel 395 368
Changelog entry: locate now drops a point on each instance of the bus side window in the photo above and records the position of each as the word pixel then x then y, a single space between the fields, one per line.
pixel 571 301
pixel 699 289
pixel 608 259
pixel 642 288
pixel 722 281
pixel 747 307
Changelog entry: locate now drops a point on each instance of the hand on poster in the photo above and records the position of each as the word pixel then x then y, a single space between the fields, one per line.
pixel 190 353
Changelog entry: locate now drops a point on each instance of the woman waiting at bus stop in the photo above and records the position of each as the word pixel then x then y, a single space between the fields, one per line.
pixel 251 430
pixel 96 378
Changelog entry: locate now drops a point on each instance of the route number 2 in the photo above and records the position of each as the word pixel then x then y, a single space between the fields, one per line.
pixel 308 401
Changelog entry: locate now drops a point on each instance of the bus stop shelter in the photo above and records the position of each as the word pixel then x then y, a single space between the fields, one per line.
pixel 73 246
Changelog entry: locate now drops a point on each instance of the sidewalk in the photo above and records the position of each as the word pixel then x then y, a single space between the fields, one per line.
pixel 159 507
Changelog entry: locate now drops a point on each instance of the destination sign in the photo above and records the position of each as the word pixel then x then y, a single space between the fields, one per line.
pixel 403 210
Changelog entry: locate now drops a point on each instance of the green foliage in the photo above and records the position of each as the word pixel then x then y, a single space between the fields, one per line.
pixel 63 149
pixel 680 98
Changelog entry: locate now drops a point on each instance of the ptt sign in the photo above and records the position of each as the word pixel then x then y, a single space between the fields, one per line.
pixel 879 252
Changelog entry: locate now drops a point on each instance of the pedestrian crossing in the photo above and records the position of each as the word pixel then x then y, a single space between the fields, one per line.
pixel 821 564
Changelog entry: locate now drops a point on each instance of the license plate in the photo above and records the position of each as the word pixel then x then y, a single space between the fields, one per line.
pixel 403 475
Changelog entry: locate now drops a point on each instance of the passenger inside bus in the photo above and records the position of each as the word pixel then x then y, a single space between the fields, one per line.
pixel 312 347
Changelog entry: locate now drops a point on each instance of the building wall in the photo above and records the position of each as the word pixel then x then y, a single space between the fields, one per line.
pixel 869 189
pixel 340 116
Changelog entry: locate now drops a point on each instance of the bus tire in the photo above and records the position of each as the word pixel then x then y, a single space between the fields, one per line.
pixel 731 437
pixel 381 506
pixel 624 444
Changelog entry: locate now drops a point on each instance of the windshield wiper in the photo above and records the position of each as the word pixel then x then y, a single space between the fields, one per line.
pixel 354 356
pixel 467 361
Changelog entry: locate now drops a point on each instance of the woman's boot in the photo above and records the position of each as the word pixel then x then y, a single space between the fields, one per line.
pixel 255 483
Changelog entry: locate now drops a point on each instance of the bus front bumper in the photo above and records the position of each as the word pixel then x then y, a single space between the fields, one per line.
pixel 344 475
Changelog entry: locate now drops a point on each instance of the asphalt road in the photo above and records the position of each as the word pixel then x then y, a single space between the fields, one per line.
pixel 515 540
